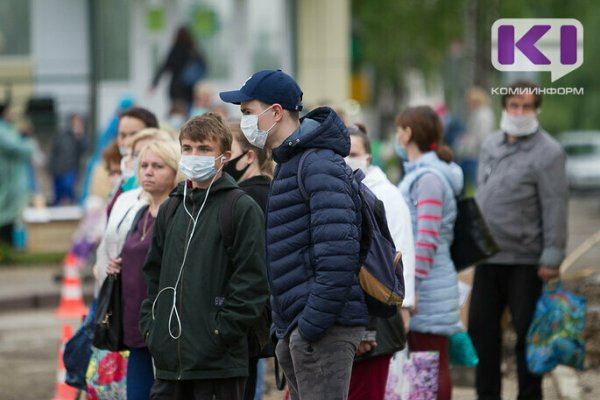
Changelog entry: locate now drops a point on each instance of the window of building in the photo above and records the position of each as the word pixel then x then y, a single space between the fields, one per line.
pixel 113 20
pixel 15 27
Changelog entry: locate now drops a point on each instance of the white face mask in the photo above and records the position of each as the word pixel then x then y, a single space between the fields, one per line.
pixel 359 162
pixel 519 125
pixel 198 168
pixel 127 172
pixel 249 126
pixel 123 150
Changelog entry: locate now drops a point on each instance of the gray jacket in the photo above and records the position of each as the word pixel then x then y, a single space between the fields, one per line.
pixel 522 192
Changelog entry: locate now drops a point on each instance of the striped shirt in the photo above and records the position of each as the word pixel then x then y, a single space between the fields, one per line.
pixel 429 197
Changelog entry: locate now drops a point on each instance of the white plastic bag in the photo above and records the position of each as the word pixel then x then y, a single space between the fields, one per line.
pixel 413 376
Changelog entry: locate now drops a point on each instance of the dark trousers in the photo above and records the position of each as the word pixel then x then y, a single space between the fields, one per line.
pixel 494 288
pixel 418 341
pixel 199 389
pixel 250 389
pixel 64 187
pixel 140 374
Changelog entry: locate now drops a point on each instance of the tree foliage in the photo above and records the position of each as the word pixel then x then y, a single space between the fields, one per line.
pixel 394 36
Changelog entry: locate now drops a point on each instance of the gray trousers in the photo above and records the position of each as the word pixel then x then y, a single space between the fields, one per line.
pixel 320 370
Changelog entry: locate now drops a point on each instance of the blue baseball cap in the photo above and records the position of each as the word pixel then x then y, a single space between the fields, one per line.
pixel 269 86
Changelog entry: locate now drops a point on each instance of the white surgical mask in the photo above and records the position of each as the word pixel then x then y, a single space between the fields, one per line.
pixel 249 126
pixel 358 162
pixel 123 150
pixel 127 172
pixel 198 168
pixel 519 125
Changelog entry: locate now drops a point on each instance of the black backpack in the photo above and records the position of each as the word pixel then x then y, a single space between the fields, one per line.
pixel 259 343
pixel 381 271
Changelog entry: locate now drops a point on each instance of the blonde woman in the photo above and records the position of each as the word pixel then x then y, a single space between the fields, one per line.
pixel 157 175
pixel 126 205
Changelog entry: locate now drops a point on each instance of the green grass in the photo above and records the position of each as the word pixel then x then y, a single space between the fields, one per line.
pixel 10 256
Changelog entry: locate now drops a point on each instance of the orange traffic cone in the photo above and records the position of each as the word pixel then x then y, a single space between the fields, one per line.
pixel 63 391
pixel 71 294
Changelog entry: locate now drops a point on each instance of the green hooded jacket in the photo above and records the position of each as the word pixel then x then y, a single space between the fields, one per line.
pixel 200 305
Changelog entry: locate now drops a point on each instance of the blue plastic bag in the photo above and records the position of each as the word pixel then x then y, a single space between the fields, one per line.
pixel 555 335
pixel 78 351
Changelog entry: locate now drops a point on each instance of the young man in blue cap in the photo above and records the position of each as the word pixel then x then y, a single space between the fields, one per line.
pixel 319 311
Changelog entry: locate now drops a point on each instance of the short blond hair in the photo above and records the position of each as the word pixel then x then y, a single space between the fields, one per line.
pixel 148 133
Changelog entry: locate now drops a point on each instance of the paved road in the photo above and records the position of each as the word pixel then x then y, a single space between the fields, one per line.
pixel 29 339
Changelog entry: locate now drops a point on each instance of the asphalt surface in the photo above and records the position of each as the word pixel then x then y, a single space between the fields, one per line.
pixel 30 332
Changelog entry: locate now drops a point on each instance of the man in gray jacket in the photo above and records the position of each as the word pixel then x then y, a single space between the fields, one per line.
pixel 522 192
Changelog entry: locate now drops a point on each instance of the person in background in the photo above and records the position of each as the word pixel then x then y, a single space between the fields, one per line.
pixel 204 98
pixel 157 175
pixel 480 125
pixel 131 121
pixel 112 162
pixel 252 168
pixel 36 162
pixel 15 154
pixel 178 115
pixel 182 54
pixel 430 187
pixel 94 177
pixel 522 192
pixel 65 160
pixel 370 370
pixel 203 297
pixel 313 239
pixel 454 128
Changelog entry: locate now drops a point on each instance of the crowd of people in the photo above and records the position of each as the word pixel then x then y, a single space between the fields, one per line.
pixel 224 260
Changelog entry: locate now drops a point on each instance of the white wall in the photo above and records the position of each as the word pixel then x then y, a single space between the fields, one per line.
pixel 59 52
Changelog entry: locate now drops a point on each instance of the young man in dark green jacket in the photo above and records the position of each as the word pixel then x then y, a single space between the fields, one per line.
pixel 203 297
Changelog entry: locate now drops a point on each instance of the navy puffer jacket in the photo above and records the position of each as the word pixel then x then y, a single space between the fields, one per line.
pixel 312 247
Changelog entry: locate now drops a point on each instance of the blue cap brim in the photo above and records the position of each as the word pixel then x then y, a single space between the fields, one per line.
pixel 234 96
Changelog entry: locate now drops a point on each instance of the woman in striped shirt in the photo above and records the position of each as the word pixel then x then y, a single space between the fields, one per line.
pixel 430 185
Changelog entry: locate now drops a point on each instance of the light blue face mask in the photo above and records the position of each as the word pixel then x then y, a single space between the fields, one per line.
pixel 198 168
pixel 400 151
pixel 131 181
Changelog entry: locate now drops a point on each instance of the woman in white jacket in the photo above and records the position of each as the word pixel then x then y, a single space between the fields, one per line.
pixel 370 370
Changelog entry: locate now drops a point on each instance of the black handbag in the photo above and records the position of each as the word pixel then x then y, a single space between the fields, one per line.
pixel 108 322
pixel 473 241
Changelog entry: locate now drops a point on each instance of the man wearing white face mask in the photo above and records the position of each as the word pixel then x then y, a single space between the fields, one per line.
pixel 522 192
pixel 312 238
pixel 204 291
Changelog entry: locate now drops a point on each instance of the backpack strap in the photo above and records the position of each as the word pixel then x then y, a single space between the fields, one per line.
pixel 299 174
pixel 226 217
pixel 225 214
